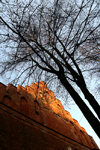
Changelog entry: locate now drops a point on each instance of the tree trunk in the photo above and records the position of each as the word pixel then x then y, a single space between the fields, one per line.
pixel 92 102
pixel 93 121
pixel 90 98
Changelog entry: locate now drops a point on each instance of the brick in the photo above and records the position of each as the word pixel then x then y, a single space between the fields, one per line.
pixel 32 118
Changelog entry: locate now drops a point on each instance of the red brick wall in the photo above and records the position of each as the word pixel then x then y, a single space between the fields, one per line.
pixel 33 119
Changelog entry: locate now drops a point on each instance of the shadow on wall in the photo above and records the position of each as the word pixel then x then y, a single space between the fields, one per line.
pixel 69 148
pixel 24 106
pixel 94 149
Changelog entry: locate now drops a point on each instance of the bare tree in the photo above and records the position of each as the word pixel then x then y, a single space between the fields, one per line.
pixel 48 38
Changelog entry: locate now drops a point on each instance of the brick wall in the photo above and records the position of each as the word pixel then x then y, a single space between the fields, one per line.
pixel 33 119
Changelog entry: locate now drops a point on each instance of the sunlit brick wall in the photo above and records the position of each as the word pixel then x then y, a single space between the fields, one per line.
pixel 33 119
